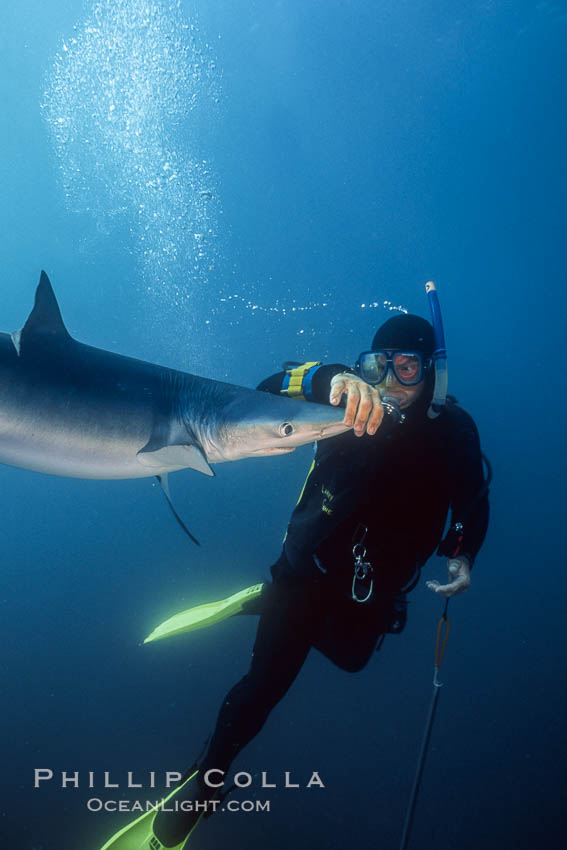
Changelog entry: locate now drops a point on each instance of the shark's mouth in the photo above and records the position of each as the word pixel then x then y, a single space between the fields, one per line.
pixel 279 450
pixel 331 430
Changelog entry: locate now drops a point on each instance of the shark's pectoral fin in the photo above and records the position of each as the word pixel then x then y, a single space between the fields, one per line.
pixel 182 456
pixel 164 484
pixel 16 337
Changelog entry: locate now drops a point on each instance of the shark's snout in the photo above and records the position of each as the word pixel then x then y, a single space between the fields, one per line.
pixel 313 422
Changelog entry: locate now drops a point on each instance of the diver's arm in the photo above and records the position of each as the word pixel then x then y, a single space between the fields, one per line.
pixel 326 384
pixel 308 381
pixel 469 499
pixel 469 505
pixel 273 384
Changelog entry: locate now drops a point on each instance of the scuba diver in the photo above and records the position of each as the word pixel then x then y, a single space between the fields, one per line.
pixel 372 511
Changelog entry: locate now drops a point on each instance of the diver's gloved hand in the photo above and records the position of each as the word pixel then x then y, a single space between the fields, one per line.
pixel 459 572
pixel 363 406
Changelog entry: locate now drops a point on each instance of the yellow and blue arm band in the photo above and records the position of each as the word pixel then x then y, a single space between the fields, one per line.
pixel 297 382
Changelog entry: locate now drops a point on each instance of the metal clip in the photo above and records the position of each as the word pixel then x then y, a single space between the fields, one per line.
pixel 362 570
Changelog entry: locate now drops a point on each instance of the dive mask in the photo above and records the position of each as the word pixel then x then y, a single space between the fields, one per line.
pixel 407 366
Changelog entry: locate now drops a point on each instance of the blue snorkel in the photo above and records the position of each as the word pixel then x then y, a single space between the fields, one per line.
pixel 439 355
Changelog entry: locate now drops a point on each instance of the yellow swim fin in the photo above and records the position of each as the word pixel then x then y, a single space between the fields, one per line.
pixel 139 835
pixel 205 615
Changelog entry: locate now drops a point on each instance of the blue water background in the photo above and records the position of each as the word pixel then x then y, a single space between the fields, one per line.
pixel 358 150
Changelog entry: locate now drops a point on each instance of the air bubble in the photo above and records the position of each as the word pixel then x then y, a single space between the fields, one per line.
pixel 126 105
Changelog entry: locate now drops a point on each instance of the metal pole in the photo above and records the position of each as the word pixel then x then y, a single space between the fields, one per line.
pixel 420 763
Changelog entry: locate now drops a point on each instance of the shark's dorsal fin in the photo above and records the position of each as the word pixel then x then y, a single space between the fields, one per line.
pixel 45 320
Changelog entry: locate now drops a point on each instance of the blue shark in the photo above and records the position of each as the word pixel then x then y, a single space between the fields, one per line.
pixel 71 409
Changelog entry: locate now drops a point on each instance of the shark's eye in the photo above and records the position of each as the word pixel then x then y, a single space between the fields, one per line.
pixel 286 429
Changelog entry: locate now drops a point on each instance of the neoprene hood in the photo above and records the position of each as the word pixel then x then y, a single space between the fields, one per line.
pixel 405 331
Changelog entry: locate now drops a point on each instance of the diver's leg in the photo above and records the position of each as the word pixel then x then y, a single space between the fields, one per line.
pixel 283 641
pixel 282 644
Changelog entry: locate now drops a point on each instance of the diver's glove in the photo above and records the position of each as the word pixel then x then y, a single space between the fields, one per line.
pixel 459 575
pixel 363 406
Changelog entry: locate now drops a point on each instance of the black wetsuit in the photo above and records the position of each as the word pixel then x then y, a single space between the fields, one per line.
pixel 398 484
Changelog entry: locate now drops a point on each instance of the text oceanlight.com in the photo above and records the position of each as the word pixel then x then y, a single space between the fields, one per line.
pixel 95 804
